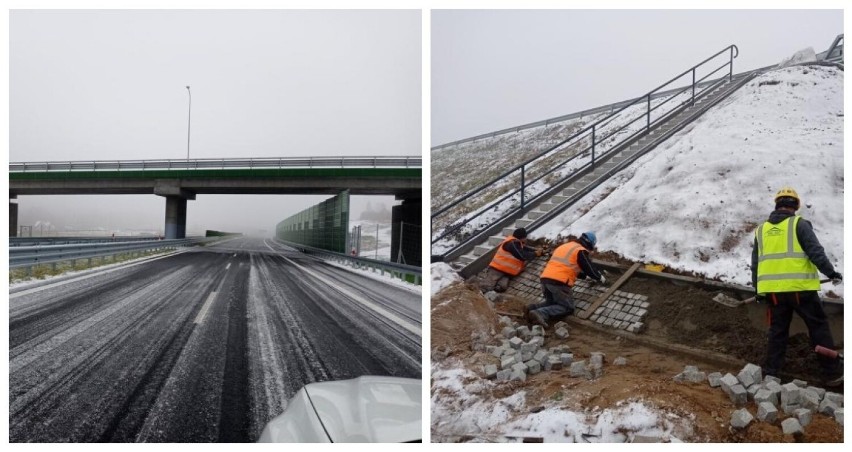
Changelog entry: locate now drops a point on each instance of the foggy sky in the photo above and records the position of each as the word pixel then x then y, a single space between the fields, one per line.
pixel 497 69
pixel 101 85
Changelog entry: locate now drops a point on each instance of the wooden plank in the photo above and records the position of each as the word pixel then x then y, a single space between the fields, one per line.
pixel 588 312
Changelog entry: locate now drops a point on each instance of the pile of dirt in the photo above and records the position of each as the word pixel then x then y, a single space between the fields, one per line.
pixel 461 317
pixel 459 313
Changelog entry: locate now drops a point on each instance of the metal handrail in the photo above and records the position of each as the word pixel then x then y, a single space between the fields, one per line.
pixel 252 163
pixel 593 128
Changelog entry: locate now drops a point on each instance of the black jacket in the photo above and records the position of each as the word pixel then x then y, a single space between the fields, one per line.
pixel 518 250
pixel 807 240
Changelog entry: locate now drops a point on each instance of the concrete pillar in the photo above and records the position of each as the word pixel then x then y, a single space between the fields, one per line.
pixel 407 232
pixel 13 219
pixel 175 217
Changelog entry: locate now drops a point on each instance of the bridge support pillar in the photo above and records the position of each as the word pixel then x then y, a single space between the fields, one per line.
pixel 175 217
pixel 406 232
pixel 13 219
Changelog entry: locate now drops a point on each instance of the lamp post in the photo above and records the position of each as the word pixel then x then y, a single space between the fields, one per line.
pixel 188 121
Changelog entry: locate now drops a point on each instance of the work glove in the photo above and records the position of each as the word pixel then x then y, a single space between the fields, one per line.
pixel 603 279
pixel 836 278
pixel 538 252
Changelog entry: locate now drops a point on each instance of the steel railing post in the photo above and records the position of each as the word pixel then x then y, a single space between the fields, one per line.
pixel 522 188
pixel 693 87
pixel 731 66
pixel 649 112
pixel 593 147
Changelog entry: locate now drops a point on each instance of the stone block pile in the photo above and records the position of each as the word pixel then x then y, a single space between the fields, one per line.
pixel 622 310
pixel 522 353
pixel 794 403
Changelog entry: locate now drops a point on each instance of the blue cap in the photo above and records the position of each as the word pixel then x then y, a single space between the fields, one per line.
pixel 590 237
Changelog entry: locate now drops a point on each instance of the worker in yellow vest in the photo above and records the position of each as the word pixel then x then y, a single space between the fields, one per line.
pixel 569 262
pixel 784 264
pixel 509 261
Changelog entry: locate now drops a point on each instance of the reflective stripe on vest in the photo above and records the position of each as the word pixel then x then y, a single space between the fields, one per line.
pixel 782 265
pixel 563 265
pixel 505 262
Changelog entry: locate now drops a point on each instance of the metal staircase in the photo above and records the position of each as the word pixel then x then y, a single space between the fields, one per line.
pixel 532 209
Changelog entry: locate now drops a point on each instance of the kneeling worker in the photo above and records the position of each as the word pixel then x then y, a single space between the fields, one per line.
pixel 509 261
pixel 569 262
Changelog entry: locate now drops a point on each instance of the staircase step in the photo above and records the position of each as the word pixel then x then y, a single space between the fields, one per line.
pixel 550 204
pixel 523 222
pixel 535 214
pixel 508 231
pixel 555 200
pixel 495 240
pixel 482 249
pixel 466 259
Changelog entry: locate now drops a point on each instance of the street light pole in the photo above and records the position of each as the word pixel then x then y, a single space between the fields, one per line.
pixel 188 121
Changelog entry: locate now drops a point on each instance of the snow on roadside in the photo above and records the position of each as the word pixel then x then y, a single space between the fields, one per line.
pixel 461 405
pixel 694 203
pixel 385 278
pixel 442 276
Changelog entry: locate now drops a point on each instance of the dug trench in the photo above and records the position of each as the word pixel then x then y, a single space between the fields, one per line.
pixel 683 326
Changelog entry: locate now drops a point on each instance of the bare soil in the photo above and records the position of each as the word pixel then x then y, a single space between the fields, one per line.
pixel 462 317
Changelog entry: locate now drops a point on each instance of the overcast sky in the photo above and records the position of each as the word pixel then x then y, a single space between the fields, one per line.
pixel 97 85
pixel 497 69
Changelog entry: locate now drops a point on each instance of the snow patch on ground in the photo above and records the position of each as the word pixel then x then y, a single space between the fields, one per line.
pixel 693 203
pixel 442 276
pixel 462 404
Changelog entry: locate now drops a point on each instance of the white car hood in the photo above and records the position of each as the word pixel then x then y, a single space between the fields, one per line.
pixel 364 409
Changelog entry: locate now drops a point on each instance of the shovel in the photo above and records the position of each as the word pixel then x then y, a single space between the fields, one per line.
pixel 732 302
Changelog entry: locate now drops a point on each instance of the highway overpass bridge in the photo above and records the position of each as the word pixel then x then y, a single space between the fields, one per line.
pixel 181 180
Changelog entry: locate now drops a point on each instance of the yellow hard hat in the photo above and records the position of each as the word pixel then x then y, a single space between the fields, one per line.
pixel 787 192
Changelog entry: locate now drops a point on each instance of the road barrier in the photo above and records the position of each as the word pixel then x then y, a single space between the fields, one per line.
pixel 404 272
pixel 30 256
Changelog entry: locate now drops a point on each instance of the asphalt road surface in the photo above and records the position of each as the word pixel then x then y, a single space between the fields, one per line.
pixel 204 345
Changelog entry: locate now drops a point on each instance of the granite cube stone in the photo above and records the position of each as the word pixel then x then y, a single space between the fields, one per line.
pixel 741 418
pixel 767 412
pixel 791 426
pixel 715 379
pixel 804 416
pixel 578 369
pixel 533 367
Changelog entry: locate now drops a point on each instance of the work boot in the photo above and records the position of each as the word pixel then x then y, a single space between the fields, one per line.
pixel 536 318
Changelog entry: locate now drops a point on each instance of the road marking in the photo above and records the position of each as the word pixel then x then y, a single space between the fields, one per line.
pixel 381 311
pixel 203 313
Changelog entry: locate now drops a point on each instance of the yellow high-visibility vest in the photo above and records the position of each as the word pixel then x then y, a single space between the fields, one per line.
pixel 782 265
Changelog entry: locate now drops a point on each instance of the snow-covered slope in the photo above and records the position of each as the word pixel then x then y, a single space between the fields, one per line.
pixel 693 203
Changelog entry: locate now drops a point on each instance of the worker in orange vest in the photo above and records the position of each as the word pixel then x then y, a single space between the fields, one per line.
pixel 509 261
pixel 569 262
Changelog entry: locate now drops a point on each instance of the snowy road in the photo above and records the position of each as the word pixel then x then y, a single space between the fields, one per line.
pixel 206 345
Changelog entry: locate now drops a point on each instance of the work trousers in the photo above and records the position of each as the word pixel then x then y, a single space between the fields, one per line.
pixel 808 306
pixel 558 301
pixel 494 280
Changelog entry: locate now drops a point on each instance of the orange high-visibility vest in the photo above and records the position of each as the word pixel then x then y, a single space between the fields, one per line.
pixel 563 265
pixel 505 262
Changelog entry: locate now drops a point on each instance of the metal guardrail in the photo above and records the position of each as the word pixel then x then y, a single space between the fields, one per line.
pixel 404 272
pixel 29 256
pixel 253 163
pixel 589 133
pixel 41 241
